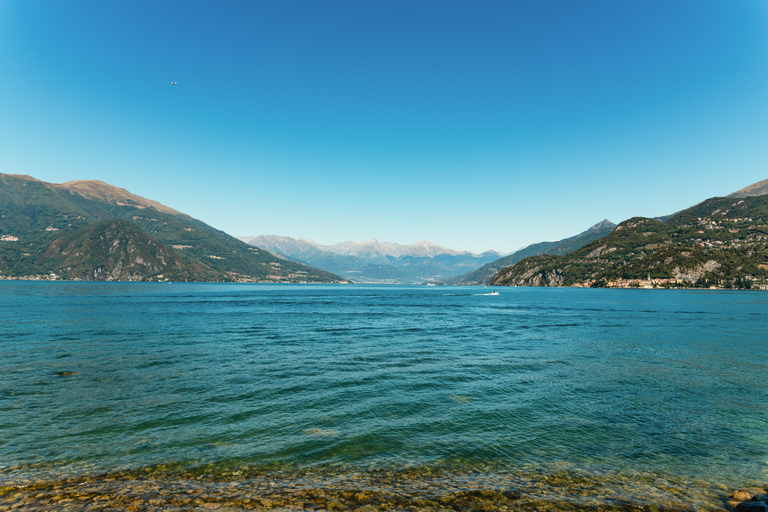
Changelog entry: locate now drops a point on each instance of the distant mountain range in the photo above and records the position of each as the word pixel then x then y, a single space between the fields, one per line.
pixel 721 242
pixel 377 262
pixel 390 263
pixel 89 230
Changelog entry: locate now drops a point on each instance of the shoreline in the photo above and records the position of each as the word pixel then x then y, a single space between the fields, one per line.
pixel 424 489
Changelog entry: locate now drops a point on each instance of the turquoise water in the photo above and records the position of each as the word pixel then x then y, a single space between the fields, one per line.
pixel 193 379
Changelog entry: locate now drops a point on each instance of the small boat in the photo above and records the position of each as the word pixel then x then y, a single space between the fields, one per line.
pixel 493 293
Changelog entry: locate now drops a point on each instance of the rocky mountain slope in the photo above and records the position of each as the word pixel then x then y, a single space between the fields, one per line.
pixel 756 189
pixel 40 222
pixel 484 274
pixel 114 250
pixel 720 242
pixel 373 261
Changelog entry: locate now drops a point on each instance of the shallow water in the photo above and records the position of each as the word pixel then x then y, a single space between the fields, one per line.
pixel 580 398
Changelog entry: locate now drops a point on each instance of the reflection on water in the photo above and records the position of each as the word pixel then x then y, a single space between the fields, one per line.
pixel 616 397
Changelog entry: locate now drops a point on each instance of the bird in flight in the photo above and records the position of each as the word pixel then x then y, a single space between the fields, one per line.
pixel 174 83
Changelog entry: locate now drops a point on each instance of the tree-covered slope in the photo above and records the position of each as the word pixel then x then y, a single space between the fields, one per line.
pixel 118 250
pixel 484 274
pixel 33 214
pixel 719 242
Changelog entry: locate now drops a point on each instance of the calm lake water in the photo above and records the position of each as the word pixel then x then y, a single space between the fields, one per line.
pixel 575 396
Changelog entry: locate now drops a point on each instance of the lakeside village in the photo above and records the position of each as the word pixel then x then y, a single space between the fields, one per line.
pixel 755 239
pixel 648 284
pixel 662 283
pixel 292 278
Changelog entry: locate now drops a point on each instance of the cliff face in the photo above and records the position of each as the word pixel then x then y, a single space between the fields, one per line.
pixel 538 271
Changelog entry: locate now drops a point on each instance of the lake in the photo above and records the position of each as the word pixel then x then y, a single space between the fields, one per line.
pixel 241 396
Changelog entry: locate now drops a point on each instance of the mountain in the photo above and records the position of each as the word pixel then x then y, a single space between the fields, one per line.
pixel 568 245
pixel 374 249
pixel 373 261
pixel 487 272
pixel 48 228
pixel 721 242
pixel 756 189
pixel 114 250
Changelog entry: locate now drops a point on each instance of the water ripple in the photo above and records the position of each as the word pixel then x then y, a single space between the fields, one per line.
pixel 127 376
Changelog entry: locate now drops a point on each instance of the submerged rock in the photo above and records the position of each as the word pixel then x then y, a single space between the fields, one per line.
pixel 749 499
pixel 742 495
pixel 320 432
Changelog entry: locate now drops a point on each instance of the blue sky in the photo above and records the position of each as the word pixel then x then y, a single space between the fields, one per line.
pixel 475 125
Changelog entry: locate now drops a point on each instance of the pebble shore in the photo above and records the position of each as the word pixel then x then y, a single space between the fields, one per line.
pixel 373 491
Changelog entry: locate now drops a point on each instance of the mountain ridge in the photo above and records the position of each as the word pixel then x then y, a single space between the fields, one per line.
pixel 756 189
pixel 486 273
pixel 721 242
pixel 97 189
pixel 34 214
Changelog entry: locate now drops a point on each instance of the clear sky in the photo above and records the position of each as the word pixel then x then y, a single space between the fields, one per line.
pixel 475 125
